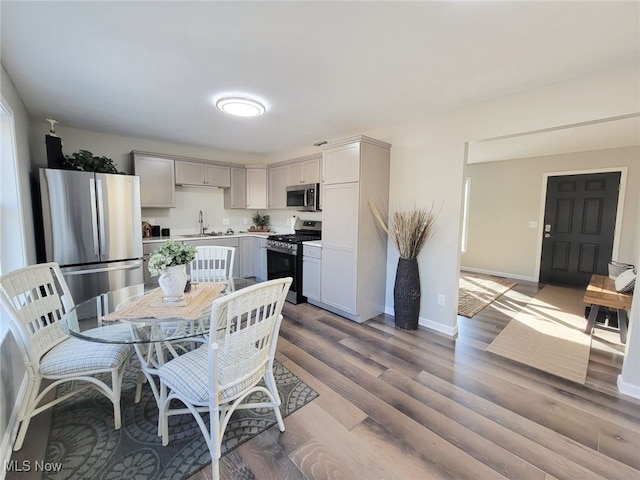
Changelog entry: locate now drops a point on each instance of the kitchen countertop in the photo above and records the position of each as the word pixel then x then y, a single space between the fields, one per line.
pixel 206 237
pixel 313 243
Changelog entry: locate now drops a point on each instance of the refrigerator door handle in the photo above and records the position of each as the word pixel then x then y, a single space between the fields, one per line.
pixel 132 266
pixel 94 217
pixel 101 217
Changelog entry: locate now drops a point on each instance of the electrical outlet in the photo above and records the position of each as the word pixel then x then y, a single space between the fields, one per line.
pixel 288 222
pixel 246 221
pixel 440 299
pixel 225 221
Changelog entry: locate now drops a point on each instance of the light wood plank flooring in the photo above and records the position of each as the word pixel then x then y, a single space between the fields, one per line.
pixel 418 405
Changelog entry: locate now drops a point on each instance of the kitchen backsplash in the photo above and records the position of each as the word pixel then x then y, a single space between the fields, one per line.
pixel 183 219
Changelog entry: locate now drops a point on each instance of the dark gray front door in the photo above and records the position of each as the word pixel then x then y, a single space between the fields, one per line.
pixel 579 223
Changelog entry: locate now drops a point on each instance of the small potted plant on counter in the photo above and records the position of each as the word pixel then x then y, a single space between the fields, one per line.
pixel 261 223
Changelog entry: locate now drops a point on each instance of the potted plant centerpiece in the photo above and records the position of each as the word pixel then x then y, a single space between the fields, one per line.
pixel 409 231
pixel 169 261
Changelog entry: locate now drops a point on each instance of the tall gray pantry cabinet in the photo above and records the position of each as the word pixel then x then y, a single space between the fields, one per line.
pixel 354 252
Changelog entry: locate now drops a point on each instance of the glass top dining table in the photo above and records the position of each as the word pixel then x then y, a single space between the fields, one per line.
pixel 143 319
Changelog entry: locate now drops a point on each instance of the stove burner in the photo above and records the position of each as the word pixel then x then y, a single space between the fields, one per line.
pixel 293 238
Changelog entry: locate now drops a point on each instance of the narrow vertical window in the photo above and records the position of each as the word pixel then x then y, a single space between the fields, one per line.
pixel 12 249
pixel 465 214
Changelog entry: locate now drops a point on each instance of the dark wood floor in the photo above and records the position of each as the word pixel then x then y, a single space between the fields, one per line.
pixel 418 405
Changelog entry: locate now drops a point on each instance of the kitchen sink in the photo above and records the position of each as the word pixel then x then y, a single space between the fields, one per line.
pixel 198 235
pixel 205 235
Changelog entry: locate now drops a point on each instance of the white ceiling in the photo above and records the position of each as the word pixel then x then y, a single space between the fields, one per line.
pixel 594 135
pixel 150 69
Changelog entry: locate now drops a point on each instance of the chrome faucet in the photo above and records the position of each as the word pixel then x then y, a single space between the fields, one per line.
pixel 201 222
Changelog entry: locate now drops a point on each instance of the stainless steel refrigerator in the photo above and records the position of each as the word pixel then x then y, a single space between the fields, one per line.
pixel 92 229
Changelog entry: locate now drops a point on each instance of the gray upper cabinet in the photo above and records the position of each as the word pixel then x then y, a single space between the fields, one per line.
pixel 342 164
pixel 294 172
pixel 306 171
pixel 157 181
pixel 236 196
pixel 278 186
pixel 257 187
pixel 202 174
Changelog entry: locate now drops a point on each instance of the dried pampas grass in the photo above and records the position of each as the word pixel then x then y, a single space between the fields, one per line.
pixel 409 230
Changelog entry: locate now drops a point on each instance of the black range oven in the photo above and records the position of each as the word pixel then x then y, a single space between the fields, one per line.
pixel 284 256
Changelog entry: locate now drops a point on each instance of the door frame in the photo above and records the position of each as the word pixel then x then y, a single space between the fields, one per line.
pixel 620 208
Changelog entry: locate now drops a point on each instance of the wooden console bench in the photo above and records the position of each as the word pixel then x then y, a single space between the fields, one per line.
pixel 601 292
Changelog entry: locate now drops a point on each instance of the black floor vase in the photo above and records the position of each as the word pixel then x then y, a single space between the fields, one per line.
pixel 406 294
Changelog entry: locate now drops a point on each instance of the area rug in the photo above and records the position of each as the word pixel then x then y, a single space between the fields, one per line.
pixel 476 291
pixel 83 441
pixel 548 334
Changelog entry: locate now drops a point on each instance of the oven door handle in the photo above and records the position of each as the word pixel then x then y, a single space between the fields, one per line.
pixel 291 253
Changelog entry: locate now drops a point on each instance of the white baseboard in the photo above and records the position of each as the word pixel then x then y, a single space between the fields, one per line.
pixel 627 388
pixel 500 274
pixel 450 331
pixel 6 447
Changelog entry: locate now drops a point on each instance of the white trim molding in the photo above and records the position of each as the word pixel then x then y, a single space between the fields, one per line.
pixel 10 434
pixel 627 388
pixel 449 331
pixel 515 276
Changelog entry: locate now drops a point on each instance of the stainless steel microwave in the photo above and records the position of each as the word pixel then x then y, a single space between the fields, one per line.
pixel 305 198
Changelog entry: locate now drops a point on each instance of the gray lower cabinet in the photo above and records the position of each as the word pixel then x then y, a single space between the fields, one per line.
pixel 250 258
pixel 311 271
pixel 260 258
pixel 254 257
pixel 223 242
pixel 246 257
pixel 147 249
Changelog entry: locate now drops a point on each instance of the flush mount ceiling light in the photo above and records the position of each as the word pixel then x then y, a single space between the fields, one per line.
pixel 240 106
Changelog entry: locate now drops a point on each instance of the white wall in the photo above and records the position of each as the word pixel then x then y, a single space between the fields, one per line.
pixel 507 195
pixel 22 124
pixel 118 147
pixel 12 370
pixel 629 378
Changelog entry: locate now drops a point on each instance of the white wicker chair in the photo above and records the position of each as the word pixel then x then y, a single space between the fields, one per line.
pixel 36 298
pixel 212 264
pixel 218 377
